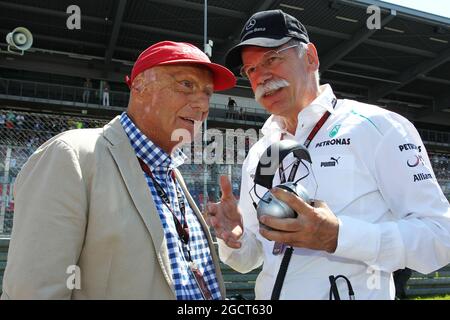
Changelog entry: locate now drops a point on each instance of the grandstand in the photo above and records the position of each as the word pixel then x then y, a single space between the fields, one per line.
pixel 404 66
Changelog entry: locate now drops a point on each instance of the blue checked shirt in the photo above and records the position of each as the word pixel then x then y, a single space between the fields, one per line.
pixel 161 165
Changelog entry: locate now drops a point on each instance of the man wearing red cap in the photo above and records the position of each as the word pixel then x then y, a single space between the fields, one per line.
pixel 104 213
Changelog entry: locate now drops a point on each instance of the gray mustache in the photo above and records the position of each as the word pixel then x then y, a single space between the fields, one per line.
pixel 269 86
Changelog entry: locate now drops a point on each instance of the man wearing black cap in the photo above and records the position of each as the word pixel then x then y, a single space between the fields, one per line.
pixel 104 213
pixel 378 206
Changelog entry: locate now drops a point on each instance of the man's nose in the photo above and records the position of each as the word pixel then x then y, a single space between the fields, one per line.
pixel 200 100
pixel 261 76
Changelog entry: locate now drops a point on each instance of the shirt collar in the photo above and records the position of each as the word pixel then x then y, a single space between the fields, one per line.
pixel 307 117
pixel 150 153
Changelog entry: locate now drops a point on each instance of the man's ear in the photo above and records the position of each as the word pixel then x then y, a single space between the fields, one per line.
pixel 137 85
pixel 313 58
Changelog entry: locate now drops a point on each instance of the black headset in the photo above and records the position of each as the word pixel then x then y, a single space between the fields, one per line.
pixel 265 171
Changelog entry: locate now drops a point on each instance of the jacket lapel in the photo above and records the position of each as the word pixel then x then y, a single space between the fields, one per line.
pixel 124 156
pixel 205 230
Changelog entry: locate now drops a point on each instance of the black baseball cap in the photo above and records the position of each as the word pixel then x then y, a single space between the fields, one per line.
pixel 269 29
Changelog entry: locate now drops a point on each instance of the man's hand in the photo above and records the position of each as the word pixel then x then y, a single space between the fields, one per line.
pixel 225 217
pixel 314 228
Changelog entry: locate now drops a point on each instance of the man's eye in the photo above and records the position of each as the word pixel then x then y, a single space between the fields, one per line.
pixel 250 70
pixel 271 60
pixel 209 92
pixel 187 84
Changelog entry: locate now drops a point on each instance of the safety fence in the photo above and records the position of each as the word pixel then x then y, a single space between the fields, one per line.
pixel 21 133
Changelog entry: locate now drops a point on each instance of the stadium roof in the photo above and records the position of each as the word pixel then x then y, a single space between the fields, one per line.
pixel 405 65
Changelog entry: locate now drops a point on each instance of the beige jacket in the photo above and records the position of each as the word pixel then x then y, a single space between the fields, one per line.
pixel 82 200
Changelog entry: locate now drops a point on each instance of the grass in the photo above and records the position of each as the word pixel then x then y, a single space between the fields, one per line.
pixel 439 297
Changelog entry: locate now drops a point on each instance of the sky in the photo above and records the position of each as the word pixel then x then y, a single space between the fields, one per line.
pixel 438 7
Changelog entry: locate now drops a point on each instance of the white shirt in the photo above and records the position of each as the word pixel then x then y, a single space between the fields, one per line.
pixel 372 170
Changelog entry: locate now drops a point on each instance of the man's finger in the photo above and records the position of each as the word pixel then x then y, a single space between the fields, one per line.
pixel 230 240
pixel 211 208
pixel 320 204
pixel 215 223
pixel 293 201
pixel 225 186
pixel 278 236
pixel 283 224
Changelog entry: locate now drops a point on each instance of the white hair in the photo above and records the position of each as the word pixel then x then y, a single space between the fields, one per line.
pixel 301 50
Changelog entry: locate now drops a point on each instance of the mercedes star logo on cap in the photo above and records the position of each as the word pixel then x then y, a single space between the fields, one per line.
pixel 250 24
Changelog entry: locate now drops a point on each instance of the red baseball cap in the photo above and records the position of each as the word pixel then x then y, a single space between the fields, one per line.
pixel 169 52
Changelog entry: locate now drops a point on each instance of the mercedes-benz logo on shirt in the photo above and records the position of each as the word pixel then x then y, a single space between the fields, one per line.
pixel 250 24
pixel 415 161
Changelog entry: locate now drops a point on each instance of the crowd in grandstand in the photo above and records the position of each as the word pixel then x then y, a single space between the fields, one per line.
pixel 441 165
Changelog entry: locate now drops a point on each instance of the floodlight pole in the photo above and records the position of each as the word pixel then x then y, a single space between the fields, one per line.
pixel 205 26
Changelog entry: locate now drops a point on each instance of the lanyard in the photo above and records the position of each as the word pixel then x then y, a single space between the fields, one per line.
pixel 279 247
pixel 182 229
pixel 307 142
